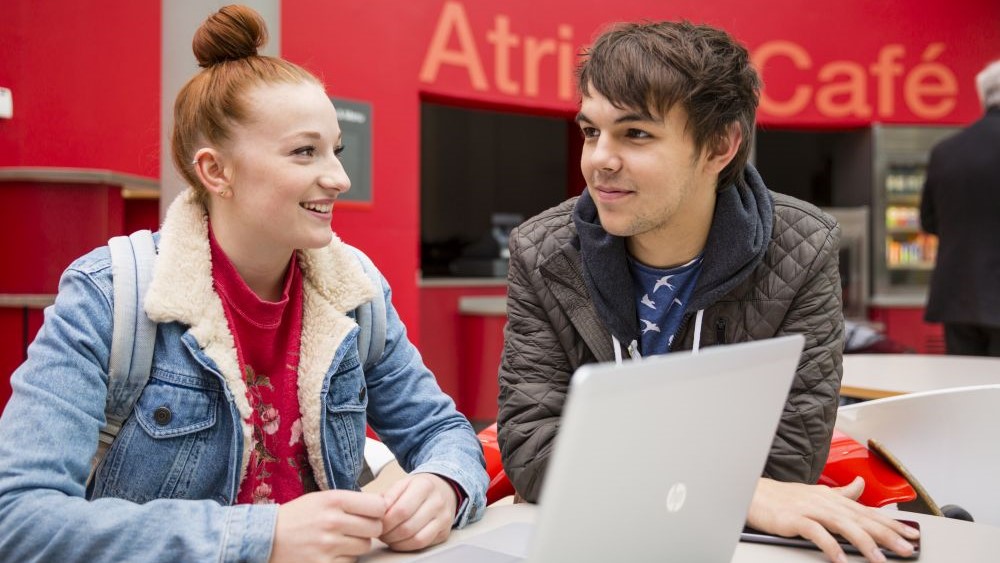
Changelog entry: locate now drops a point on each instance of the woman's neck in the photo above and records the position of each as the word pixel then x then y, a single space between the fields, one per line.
pixel 262 267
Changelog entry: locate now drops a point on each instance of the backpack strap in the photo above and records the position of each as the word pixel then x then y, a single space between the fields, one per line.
pixel 133 333
pixel 371 317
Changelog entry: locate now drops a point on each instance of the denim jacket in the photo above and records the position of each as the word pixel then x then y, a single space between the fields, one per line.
pixel 166 488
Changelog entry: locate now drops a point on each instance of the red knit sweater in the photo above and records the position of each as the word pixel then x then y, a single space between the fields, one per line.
pixel 267 336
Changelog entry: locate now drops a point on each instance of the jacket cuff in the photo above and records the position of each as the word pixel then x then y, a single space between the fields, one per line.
pixel 460 496
pixel 249 533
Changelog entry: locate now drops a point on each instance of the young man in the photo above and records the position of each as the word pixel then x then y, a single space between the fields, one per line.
pixel 961 205
pixel 677 244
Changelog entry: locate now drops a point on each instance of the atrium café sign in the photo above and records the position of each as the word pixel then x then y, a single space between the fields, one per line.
pixel 798 84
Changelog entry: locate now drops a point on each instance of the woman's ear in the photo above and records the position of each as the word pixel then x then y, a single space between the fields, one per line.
pixel 724 149
pixel 209 164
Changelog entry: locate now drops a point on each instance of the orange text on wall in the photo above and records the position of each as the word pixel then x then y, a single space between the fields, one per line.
pixel 796 84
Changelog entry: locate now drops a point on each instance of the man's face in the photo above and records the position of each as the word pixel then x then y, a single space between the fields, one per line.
pixel 643 173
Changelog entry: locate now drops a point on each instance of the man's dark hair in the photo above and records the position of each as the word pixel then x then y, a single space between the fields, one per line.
pixel 648 67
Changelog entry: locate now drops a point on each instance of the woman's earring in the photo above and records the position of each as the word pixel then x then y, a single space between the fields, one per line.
pixel 224 193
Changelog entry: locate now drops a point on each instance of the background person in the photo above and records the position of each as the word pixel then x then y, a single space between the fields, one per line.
pixel 257 397
pixel 961 205
pixel 677 244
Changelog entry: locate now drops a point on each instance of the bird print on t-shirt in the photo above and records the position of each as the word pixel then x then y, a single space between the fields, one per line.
pixel 649 325
pixel 661 296
pixel 664 281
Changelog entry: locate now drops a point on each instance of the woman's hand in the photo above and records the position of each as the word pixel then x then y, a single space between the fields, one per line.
pixel 420 509
pixel 816 512
pixel 327 526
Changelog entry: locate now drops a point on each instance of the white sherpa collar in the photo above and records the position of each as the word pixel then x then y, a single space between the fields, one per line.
pixel 181 290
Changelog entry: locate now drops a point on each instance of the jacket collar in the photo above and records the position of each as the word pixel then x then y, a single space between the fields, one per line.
pixel 561 274
pixel 182 291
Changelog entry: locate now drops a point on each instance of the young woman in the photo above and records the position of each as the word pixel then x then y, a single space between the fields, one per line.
pixel 247 442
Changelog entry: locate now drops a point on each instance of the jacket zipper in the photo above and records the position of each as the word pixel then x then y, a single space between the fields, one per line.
pixel 681 332
pixel 720 330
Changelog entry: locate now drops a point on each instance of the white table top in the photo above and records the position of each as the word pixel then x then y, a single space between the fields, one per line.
pixel 873 376
pixel 943 540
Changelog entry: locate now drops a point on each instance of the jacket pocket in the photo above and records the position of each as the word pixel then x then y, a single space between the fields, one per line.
pixel 170 447
pixel 346 403
pixel 165 410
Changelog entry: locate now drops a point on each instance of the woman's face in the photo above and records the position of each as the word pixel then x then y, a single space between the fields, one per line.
pixel 285 170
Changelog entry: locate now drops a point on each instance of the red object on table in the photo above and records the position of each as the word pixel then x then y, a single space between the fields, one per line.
pixel 849 459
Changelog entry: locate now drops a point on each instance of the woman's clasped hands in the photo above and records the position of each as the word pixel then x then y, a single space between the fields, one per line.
pixel 415 512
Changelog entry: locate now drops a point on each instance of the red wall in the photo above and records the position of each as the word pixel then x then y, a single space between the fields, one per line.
pixel 85 78
pixel 906 326
pixel 62 221
pixel 463 350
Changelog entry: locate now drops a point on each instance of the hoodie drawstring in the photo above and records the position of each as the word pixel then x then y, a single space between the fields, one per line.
pixel 633 350
pixel 697 330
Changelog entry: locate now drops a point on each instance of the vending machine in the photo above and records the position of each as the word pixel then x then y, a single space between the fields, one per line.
pixel 903 255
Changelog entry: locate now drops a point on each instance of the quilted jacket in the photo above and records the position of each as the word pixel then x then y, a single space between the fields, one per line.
pixel 770 268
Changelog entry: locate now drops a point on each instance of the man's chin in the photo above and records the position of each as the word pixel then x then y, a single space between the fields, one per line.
pixel 613 223
pixel 617 229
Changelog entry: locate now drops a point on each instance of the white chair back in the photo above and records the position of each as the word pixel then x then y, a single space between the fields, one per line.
pixel 949 440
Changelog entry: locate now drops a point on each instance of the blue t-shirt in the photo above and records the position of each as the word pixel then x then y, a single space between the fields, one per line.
pixel 661 297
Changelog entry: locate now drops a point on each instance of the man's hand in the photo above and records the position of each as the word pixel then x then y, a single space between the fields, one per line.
pixel 327 526
pixel 419 511
pixel 815 512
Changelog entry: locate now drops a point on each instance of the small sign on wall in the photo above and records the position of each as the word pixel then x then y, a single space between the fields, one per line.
pixel 355 120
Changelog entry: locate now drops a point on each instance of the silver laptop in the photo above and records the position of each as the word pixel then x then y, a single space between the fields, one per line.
pixel 655 460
